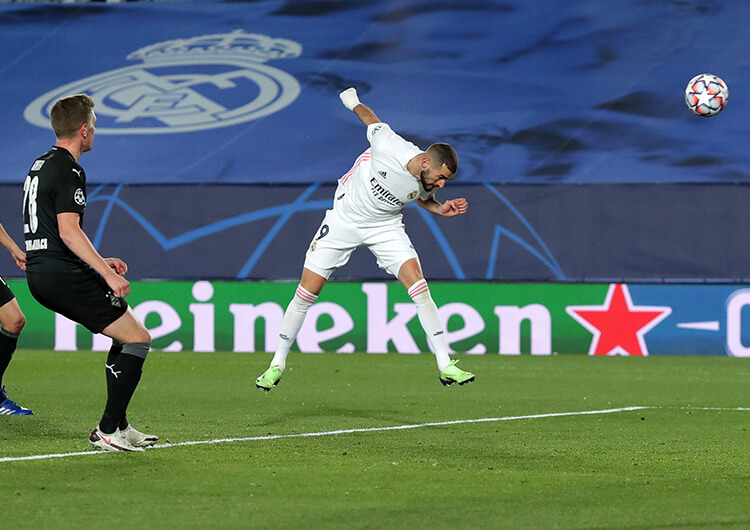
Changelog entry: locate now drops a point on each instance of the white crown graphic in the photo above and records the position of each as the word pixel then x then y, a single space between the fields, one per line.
pixel 237 44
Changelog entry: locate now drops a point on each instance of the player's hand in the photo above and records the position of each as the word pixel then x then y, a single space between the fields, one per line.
pixel 117 265
pixel 119 285
pixel 454 207
pixel 20 258
pixel 349 98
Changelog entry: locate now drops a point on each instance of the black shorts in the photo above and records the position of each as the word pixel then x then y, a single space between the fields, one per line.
pixel 6 295
pixel 83 297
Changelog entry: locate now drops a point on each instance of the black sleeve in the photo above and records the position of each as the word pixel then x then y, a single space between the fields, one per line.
pixel 70 195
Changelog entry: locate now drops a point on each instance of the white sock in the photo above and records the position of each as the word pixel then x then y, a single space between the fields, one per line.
pixel 429 317
pixel 294 317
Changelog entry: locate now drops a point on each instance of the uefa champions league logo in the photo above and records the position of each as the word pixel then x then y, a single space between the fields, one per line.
pixel 186 85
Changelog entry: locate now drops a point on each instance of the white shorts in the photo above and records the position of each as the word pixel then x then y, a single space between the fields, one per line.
pixel 337 238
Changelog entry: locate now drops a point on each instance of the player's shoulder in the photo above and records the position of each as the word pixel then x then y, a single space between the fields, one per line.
pixel 380 134
pixel 385 140
pixel 380 128
pixel 52 158
pixel 57 161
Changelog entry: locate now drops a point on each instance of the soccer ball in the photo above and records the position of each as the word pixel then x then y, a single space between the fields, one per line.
pixel 706 95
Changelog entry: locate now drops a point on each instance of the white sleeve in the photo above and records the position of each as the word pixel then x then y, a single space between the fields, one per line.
pixel 377 133
pixel 386 144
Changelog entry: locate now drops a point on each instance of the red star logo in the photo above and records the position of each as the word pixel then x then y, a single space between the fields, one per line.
pixel 618 325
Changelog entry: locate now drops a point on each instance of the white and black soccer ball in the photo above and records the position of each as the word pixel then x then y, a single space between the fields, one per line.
pixel 706 95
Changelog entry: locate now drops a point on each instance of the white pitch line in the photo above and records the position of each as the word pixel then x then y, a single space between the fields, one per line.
pixel 332 433
pixel 728 409
pixel 396 427
pixel 47 457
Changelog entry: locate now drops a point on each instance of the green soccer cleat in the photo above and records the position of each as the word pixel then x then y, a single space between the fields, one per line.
pixel 453 374
pixel 269 379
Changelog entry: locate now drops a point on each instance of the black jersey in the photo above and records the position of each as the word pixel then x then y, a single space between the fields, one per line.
pixel 55 184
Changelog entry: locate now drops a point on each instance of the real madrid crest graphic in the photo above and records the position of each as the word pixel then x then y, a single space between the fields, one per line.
pixel 185 85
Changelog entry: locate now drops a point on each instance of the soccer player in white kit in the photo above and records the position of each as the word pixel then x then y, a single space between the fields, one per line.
pixel 366 212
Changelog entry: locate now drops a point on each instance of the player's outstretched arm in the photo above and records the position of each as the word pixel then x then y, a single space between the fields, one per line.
pixel 449 208
pixel 351 101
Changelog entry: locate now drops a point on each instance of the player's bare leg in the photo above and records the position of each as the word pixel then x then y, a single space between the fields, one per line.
pixel 127 329
pixel 12 318
pixel 310 286
pixel 410 275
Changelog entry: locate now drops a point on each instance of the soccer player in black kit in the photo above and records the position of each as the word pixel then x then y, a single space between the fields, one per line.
pixel 67 275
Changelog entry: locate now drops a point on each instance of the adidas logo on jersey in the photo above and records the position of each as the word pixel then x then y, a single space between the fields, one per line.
pixel 382 173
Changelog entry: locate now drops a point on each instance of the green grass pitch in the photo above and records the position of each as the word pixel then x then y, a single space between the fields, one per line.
pixel 681 462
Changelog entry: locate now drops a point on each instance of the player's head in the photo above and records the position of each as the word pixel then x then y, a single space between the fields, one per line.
pixel 72 116
pixel 439 165
pixel 443 155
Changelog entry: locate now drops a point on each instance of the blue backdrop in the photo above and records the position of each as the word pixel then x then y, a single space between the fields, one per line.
pixel 527 91
pixel 220 131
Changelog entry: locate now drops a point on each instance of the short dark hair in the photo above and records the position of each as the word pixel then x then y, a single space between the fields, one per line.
pixel 69 113
pixel 444 154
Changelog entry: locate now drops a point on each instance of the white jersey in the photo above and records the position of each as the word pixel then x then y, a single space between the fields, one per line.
pixel 378 187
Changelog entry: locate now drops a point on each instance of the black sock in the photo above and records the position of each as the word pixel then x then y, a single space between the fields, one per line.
pixel 123 375
pixel 114 352
pixel 8 342
pixel 109 367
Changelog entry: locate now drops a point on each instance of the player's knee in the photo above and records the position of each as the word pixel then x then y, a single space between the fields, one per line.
pixel 21 323
pixel 135 334
pixel 144 336
pixel 139 332
pixel 16 324
pixel 409 273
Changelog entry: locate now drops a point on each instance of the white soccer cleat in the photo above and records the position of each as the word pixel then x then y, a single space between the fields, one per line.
pixel 137 438
pixel 111 442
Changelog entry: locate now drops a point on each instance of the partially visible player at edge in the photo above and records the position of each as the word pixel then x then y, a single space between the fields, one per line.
pixel 12 321
pixel 366 211
pixel 67 275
